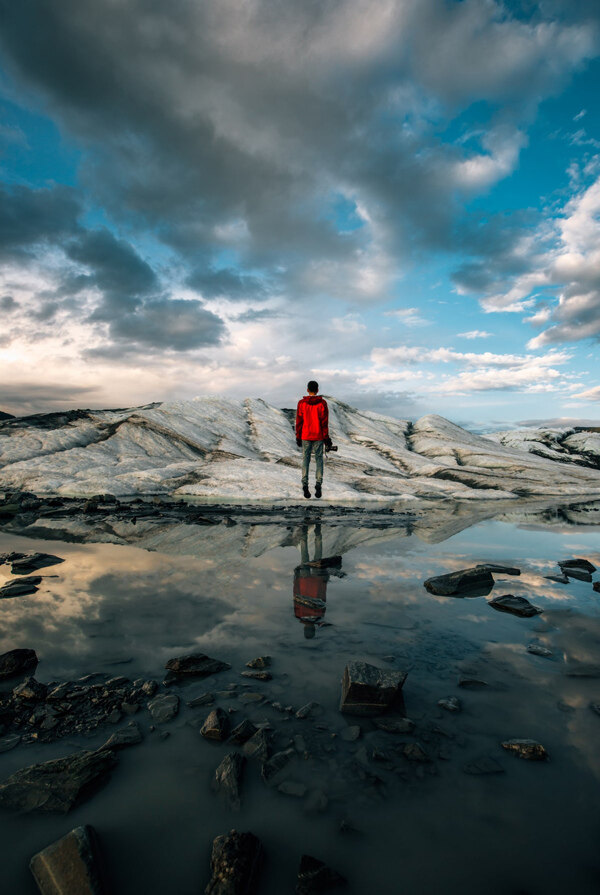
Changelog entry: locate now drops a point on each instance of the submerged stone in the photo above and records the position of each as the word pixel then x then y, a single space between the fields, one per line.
pixel 125 736
pixel 16 662
pixel 71 866
pixel 482 766
pixel 274 765
pixel 315 876
pixel 216 726
pixel 474 582
pixel 368 690
pixel 292 788
pixel 450 704
pixel 228 778
pixel 164 707
pixel 415 752
pixel 195 665
pixel 257 675
pixel 528 749
pixel 515 605
pixel 536 650
pixel 56 785
pixel 258 746
pixel 306 710
pixel 242 733
pixel 395 725
pixel 235 862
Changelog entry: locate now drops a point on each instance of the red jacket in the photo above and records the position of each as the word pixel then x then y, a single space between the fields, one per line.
pixel 312 419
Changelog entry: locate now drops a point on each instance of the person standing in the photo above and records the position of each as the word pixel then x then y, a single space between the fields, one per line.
pixel 312 432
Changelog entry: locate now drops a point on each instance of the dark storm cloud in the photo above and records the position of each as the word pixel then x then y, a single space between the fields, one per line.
pixel 24 398
pixel 197 117
pixel 29 217
pixel 169 324
pixel 8 304
pixel 228 283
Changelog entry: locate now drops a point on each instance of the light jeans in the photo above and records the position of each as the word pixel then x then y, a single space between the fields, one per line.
pixel 316 449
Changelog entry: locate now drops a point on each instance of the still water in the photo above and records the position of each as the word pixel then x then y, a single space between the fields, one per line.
pixel 126 605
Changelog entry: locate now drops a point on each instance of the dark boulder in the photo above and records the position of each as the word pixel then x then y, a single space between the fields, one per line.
pixel 531 750
pixel 578 563
pixel 24 587
pixel 56 785
pixel 315 876
pixel 475 582
pixel 597 586
pixel 498 569
pixel 242 733
pixel 16 662
pixel 272 768
pixel 71 866
pixel 216 726
pixel 235 862
pixel 31 691
pixel 259 662
pixel 195 665
pixel 368 690
pixel 258 746
pixel 228 778
pixel 32 563
pixel 515 605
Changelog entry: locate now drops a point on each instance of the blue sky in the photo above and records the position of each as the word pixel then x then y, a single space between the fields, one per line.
pixel 398 198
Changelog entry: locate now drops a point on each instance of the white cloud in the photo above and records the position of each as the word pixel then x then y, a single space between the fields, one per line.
pixel 475 334
pixel 590 394
pixel 408 316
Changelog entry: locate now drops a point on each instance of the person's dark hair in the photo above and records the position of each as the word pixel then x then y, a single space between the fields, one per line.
pixel 312 386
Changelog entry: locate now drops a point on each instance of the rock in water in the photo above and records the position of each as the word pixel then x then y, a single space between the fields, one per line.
pixel 258 746
pixel 71 866
pixel 536 650
pixel 450 703
pixel 367 690
pixel 498 569
pixel 164 707
pixel 257 675
pixel 243 732
pixel 578 563
pixel 315 876
pixel 125 736
pixel 271 768
pixel 475 582
pixel 29 564
pixel 395 725
pixel 515 605
pixel 259 662
pixel 228 777
pixel 216 726
pixel 24 587
pixel 17 661
pixel 235 863
pixel 195 665
pixel 529 749
pixel 597 586
pixel 56 785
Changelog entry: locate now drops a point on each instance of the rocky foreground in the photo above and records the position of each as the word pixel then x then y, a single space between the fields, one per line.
pixel 215 448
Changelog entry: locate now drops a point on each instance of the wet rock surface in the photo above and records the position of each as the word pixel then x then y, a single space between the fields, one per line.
pixel 217 726
pixel 315 876
pixel 228 778
pixel 530 750
pixel 16 662
pixel 30 563
pixel 57 785
pixel 515 605
pixel 71 866
pixel 22 587
pixel 195 665
pixel 164 707
pixel 236 863
pixel 259 662
pixel 474 582
pixel 368 690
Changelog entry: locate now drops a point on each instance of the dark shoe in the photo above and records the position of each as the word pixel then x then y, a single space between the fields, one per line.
pixel 306 491
pixel 317 490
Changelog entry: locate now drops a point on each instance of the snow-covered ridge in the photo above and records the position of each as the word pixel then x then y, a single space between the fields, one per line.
pixel 218 448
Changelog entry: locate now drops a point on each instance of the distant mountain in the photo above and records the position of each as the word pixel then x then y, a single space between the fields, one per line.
pixel 6 416
pixel 216 448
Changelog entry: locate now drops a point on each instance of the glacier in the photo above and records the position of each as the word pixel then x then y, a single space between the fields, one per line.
pixel 213 448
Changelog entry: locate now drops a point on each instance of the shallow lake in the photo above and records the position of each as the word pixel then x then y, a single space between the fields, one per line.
pixel 124 602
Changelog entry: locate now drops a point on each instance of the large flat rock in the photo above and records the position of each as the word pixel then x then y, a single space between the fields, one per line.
pixel 71 866
pixel 368 690
pixel 57 785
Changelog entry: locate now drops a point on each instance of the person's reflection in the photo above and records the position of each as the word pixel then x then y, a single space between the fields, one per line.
pixel 310 584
